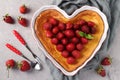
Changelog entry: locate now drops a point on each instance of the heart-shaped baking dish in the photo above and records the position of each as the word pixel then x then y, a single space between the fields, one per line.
pixel 86 12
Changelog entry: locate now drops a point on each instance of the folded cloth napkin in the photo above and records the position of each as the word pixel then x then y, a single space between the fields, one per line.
pixel 107 7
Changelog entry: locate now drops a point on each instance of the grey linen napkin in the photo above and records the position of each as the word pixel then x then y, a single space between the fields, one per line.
pixel 109 8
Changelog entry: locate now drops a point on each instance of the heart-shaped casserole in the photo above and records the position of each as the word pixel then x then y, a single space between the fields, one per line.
pixel 87 13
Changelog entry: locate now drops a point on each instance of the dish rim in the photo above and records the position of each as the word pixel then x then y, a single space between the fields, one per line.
pixel 86 7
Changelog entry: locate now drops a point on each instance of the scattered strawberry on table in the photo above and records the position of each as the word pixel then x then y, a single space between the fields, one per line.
pixel 8 19
pixel 23 9
pixel 106 61
pixel 22 21
pixel 101 71
pixel 24 65
pixel 10 64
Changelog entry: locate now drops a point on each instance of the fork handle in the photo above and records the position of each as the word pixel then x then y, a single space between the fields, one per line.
pixel 19 37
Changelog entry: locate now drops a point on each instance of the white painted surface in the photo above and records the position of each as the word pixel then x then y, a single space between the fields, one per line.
pixel 12 7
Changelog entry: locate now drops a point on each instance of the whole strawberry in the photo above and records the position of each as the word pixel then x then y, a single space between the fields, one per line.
pixel 22 21
pixel 8 19
pixel 23 9
pixel 24 66
pixel 106 61
pixel 101 71
pixel 10 64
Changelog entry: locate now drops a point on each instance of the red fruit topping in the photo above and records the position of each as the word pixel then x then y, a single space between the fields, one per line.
pixel 75 40
pixel 83 40
pixel 49 34
pixel 85 29
pixel 23 9
pixel 55 30
pixel 53 21
pixel 61 26
pixel 69 25
pixel 76 54
pixel 101 71
pixel 71 60
pixel 60 47
pixel 8 19
pixel 54 41
pixel 92 30
pixel 77 33
pixel 70 47
pixel 65 54
pixel 82 22
pixel 79 46
pixel 47 26
pixel 64 41
pixel 106 61
pixel 76 26
pixel 24 65
pixel 22 21
pixel 10 63
pixel 69 33
pixel 91 24
pixel 60 35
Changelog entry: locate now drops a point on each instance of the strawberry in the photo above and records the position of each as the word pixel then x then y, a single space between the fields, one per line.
pixel 70 47
pixel 101 71
pixel 60 47
pixel 65 54
pixel 24 66
pixel 76 54
pixel 10 64
pixel 22 21
pixel 83 40
pixel 8 19
pixel 23 9
pixel 85 29
pixel 71 60
pixel 106 61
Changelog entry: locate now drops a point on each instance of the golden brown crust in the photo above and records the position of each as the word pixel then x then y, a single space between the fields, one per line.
pixel 50 48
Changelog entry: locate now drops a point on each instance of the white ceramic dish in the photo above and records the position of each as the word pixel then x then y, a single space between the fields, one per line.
pixel 70 16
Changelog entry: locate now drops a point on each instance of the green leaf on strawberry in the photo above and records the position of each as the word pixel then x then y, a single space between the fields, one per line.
pixel 87 36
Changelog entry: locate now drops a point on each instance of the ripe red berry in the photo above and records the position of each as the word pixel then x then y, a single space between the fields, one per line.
pixel 10 63
pixel 65 54
pixel 23 9
pixel 53 21
pixel 91 24
pixel 76 26
pixel 76 54
pixel 71 60
pixel 60 47
pixel 82 22
pixel 106 61
pixel 64 41
pixel 69 25
pixel 49 34
pixel 70 47
pixel 83 40
pixel 47 26
pixel 61 26
pixel 54 41
pixel 85 29
pixel 60 35
pixel 24 65
pixel 75 40
pixel 55 30
pixel 8 19
pixel 79 46
pixel 69 33
pixel 101 71
pixel 22 21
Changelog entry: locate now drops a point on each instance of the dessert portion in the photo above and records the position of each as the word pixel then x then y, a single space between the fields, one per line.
pixel 69 41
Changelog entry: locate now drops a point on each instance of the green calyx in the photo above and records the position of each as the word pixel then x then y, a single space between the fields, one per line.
pixel 88 36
